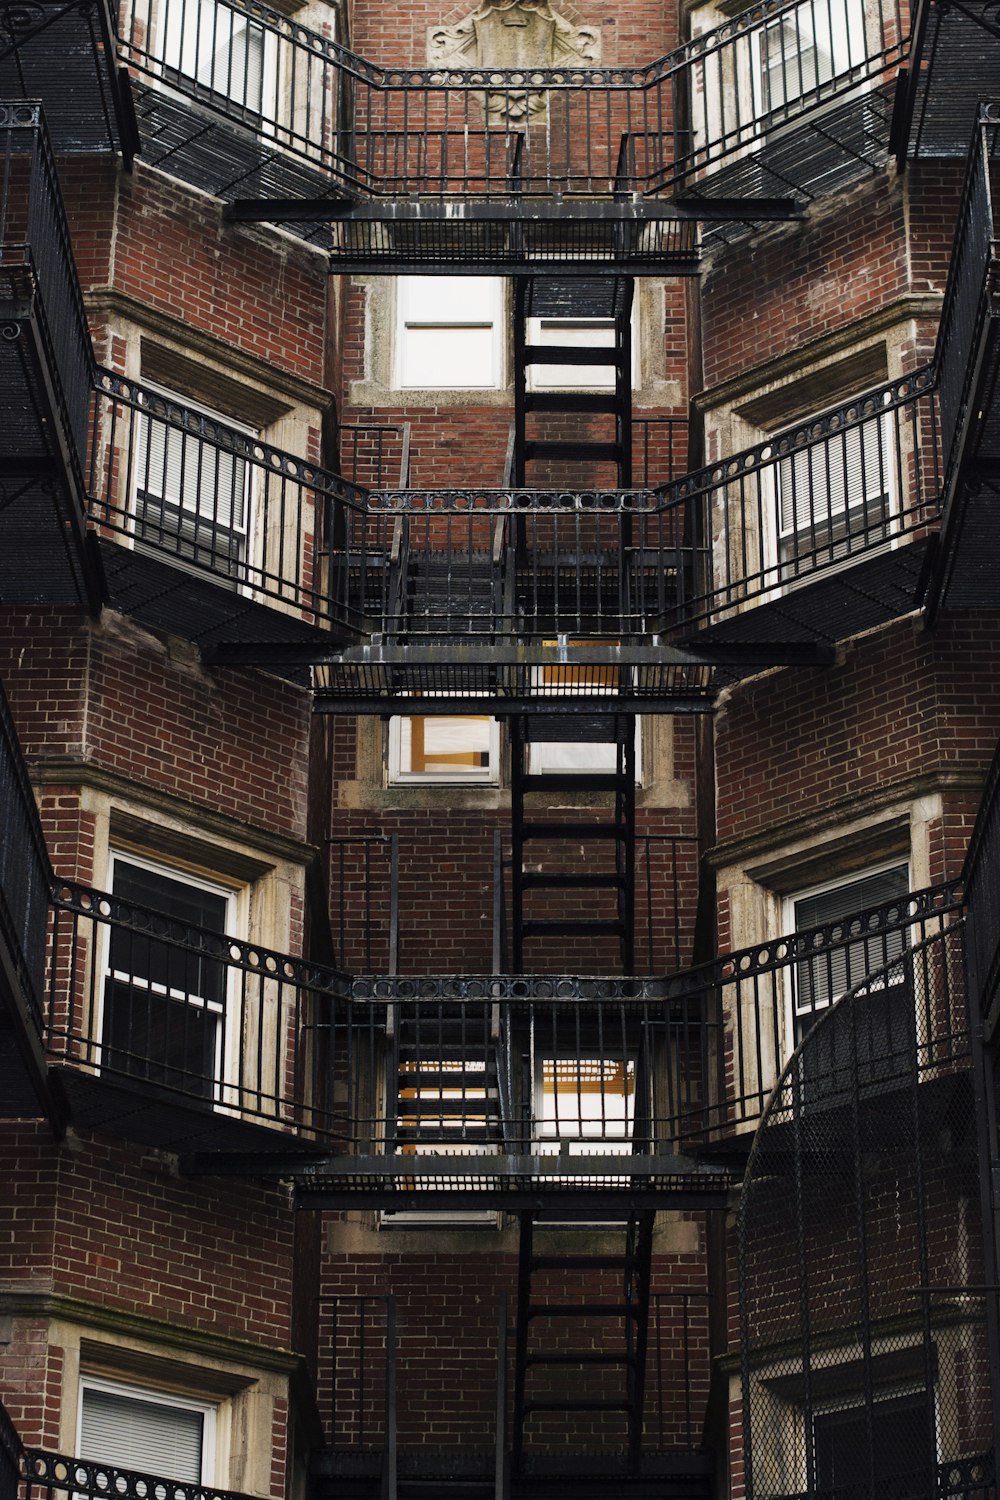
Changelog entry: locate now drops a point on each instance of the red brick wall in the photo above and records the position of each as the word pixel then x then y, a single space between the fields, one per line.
pixel 901 702
pixel 122 699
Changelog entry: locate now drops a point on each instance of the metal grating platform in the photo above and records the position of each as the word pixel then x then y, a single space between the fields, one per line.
pixel 85 98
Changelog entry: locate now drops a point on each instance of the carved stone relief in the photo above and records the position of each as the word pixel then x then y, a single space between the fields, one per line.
pixel 514 34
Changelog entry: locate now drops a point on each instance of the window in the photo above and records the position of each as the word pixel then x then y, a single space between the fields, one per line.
pixel 448 333
pixel 586 1104
pixel 805 49
pixel 192 495
pixel 903 1445
pixel 164 1002
pixel 444 748
pixel 840 1056
pixel 834 499
pixel 596 755
pixel 228 57
pixel 132 1428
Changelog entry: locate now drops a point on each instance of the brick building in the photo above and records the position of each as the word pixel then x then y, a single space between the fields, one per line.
pixel 500 817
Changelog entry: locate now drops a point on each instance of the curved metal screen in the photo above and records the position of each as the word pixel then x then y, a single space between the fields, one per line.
pixel 863 1337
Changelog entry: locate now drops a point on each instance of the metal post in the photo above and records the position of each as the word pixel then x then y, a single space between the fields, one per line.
pixel 502 1478
pixel 389 1453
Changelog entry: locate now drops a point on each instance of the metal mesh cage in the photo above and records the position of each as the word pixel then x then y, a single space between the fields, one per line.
pixel 863 1339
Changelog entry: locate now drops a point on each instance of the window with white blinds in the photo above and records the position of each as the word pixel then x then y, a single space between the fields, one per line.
pixel 808 47
pixel 154 1434
pixel 835 497
pixel 224 52
pixel 821 979
pixel 191 497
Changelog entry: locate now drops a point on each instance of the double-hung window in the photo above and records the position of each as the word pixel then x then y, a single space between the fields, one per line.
pixel 132 1428
pixel 164 994
pixel 192 487
pixel 892 1437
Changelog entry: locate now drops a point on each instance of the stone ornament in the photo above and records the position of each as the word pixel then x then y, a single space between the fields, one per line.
pixel 514 34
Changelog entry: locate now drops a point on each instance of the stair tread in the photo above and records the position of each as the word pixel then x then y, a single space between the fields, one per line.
pixel 572 354
pixel 571 448
pixel 579 1405
pixel 581 1310
pixel 573 831
pixel 572 401
pixel 532 880
pixel 575 781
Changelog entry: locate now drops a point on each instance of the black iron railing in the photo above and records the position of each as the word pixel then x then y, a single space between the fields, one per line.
pixel 37 265
pixel 502 565
pixel 25 874
pixel 51 1476
pixel 506 565
pixel 364 900
pixel 660 450
pixel 190 1015
pixel 982 884
pixel 853 1305
pixel 827 493
pixel 357 1377
pixel 760 1001
pixel 679 1371
pixel 969 296
pixel 529 1065
pixel 194 491
pixel 456 129
pixel 11 1457
pixel 375 455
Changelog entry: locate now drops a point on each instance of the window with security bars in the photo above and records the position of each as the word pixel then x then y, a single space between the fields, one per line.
pixel 807 48
pixel 192 496
pixel 164 1001
pixel 226 56
pixel 834 498
pixel 145 1431
pixel 892 1440
pixel 586 1102
pixel 882 1040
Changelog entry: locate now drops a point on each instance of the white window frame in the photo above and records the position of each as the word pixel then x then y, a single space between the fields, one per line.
pixel 549 1139
pixel 144 426
pixel 409 325
pixel 544 760
pixel 398 775
pixel 186 30
pixel 792 1012
pixel 207 1409
pixel 226 1088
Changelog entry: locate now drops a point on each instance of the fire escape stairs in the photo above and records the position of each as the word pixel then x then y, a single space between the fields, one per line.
pixel 585 857
pixel 446 1083
pixel 604 1365
pixel 583 301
